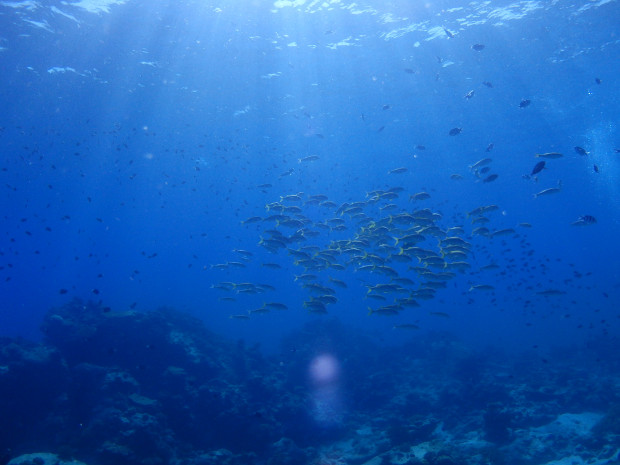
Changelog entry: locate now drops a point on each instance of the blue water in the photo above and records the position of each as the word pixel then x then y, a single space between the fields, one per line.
pixel 131 129
pixel 139 137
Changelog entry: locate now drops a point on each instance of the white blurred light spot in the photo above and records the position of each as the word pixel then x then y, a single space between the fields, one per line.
pixel 324 369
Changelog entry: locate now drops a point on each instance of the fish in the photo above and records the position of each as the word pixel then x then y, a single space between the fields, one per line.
pixel 549 292
pixel 524 103
pixel 477 47
pixel 490 178
pixel 244 253
pixel 388 310
pixel 398 170
pixel 596 168
pixel 420 147
pixel 236 264
pixel 581 151
pixel 483 209
pixel 470 94
pixel 386 107
pixel 220 266
pixel 503 232
pixel 456 177
pixel 551 190
pixel 308 158
pixel 275 306
pixel 490 147
pixel 455 131
pixel 488 84
pixel 240 317
pixel 327 299
pixel 481 287
pixel 584 220
pixel 406 326
pixel 481 231
pixel 291 198
pixel 538 167
pixel 338 282
pixel 252 219
pixel 261 310
pixel 448 33
pixel 550 155
pixel 480 163
pixel 420 196
pixel 439 314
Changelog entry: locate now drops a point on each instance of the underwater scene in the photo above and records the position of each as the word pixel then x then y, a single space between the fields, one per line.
pixel 310 232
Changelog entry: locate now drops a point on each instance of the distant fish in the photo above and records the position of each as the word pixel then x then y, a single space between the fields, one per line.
pixel 597 80
pixel 420 196
pixel 488 84
pixel 481 287
pixel 503 232
pixel 287 173
pixel 398 170
pixel 308 158
pixel 381 129
pixel 524 103
pixel 455 131
pixel 420 147
pixel 439 314
pixel 549 292
pixel 550 155
pixel 406 326
pixel 386 107
pixel 470 94
pixel 490 147
pixel 477 47
pixel 584 220
pixel 490 178
pixel 252 219
pixel 538 167
pixel 581 151
pixel 409 71
pixel 480 163
pixel 551 190
pixel 448 33
pixel 596 169
pixel 275 306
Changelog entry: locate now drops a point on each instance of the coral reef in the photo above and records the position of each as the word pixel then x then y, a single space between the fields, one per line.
pixel 159 388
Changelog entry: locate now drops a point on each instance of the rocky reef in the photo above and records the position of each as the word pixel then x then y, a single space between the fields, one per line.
pixel 150 388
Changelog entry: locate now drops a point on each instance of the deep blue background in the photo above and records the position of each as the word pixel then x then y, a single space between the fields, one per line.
pixel 145 128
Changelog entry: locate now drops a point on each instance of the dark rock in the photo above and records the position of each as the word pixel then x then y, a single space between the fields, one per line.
pixel 497 423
